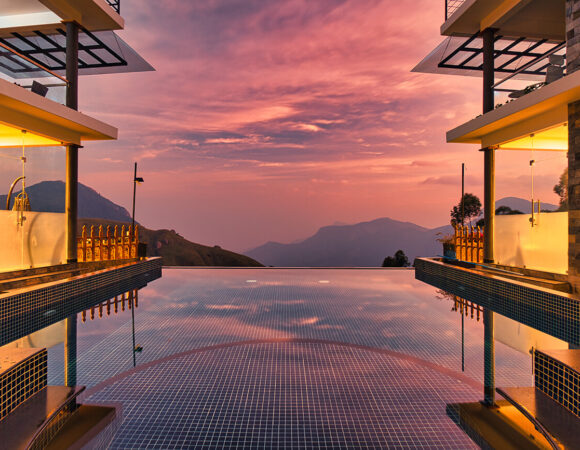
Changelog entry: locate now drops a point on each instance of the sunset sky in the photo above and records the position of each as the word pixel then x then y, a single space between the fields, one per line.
pixel 267 119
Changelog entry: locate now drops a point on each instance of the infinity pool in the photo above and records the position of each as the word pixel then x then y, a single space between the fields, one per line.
pixel 289 358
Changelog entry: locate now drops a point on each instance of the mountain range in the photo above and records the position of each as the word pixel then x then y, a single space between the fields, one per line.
pixel 364 244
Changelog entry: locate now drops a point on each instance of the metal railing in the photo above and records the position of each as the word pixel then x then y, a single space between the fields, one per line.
pixel 107 246
pixel 451 6
pixel 115 4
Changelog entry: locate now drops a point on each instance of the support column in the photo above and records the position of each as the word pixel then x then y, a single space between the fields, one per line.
pixel 71 197
pixel 489 212
pixel 572 65
pixel 71 189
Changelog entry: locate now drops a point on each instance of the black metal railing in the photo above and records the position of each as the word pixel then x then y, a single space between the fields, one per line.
pixel 115 4
pixel 451 6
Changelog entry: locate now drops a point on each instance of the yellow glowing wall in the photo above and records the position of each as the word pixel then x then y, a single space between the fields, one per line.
pixel 542 247
pixel 39 241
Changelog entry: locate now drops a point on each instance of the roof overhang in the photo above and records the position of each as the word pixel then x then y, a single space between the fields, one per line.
pixel 539 111
pixel 50 121
pixel 29 15
pixel 542 19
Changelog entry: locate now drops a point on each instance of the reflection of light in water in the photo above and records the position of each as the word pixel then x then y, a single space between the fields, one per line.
pixel 323 281
pixel 251 281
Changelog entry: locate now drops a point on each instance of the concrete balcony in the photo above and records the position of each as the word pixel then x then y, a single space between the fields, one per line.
pixel 542 19
pixel 537 120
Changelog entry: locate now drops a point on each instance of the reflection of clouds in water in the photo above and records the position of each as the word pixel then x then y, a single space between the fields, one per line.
pixel 225 307
pixel 303 321
pixel 215 306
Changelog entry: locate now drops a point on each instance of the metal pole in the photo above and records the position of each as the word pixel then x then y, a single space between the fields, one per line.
pixel 462 193
pixel 71 197
pixel 489 212
pixel 133 322
pixel 462 341
pixel 134 191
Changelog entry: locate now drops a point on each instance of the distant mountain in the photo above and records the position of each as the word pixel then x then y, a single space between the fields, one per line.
pixel 94 209
pixel 523 205
pixel 48 196
pixel 363 244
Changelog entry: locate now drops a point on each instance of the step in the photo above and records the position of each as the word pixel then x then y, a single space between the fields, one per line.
pixel 557 420
pixel 21 426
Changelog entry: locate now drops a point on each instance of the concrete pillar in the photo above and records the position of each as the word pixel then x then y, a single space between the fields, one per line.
pixel 572 65
pixel 489 212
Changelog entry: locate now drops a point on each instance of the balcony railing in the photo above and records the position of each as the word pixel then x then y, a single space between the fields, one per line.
pixel 115 4
pixel 469 243
pixel 451 6
pixel 105 245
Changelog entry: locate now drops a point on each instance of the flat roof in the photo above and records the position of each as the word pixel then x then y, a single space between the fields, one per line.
pixel 538 111
pixel 23 15
pixel 542 19
pixel 21 109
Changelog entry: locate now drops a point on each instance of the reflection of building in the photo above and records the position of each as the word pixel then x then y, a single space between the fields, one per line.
pixel 531 265
pixel 44 46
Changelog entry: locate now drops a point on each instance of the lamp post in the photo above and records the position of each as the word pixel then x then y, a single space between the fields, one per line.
pixel 136 180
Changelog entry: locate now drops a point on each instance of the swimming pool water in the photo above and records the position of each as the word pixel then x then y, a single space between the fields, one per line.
pixel 287 358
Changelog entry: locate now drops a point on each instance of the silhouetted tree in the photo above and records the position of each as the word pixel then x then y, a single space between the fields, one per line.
pixel 398 260
pixel 562 190
pixel 471 206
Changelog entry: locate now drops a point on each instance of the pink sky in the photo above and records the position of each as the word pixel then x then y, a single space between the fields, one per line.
pixel 267 119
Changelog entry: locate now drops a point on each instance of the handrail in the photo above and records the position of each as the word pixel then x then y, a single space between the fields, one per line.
pixel 40 66
pixel 531 418
pixel 451 6
pixel 76 392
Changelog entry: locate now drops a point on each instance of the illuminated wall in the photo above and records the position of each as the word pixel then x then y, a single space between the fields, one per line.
pixel 542 247
pixel 39 241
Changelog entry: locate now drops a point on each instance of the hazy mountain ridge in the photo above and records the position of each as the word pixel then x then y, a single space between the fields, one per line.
pixel 360 245
pixel 94 209
pixel 365 244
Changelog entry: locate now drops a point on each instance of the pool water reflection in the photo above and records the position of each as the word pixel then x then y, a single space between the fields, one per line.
pixel 287 357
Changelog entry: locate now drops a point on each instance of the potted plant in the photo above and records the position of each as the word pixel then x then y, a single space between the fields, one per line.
pixel 448 241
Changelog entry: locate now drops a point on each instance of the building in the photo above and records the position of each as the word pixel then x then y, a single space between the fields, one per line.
pixel 530 267
pixel 48 274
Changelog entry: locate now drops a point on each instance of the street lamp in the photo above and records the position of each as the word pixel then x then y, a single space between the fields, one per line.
pixel 136 180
